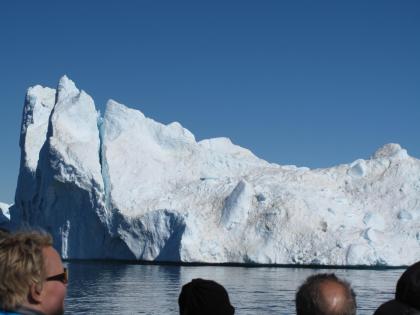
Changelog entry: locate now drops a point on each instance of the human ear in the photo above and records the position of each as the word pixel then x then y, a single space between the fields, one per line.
pixel 35 293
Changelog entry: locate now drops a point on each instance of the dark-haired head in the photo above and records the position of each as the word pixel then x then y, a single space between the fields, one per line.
pixel 408 286
pixel 394 307
pixel 204 297
pixel 4 233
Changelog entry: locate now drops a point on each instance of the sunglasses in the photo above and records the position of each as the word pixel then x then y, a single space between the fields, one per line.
pixel 62 277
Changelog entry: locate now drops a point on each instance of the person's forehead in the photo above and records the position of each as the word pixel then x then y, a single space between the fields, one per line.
pixel 51 257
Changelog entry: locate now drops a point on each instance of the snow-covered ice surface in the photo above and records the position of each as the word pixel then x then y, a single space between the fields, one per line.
pixel 124 186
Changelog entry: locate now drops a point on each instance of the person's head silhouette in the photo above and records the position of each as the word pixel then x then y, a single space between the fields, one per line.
pixel 204 297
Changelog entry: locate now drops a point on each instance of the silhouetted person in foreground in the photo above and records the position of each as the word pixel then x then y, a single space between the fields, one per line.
pixel 204 297
pixel 33 280
pixel 325 294
pixel 407 294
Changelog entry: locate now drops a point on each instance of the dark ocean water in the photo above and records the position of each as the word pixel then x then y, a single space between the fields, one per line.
pixel 116 288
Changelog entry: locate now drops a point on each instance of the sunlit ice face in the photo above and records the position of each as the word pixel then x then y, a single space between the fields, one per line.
pixel 53 292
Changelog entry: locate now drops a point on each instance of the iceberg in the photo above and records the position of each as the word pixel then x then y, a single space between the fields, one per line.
pixel 123 186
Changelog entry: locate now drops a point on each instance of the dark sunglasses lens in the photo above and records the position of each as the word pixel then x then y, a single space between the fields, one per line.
pixel 62 277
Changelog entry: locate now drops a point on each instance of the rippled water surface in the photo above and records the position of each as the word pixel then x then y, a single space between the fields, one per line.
pixel 114 288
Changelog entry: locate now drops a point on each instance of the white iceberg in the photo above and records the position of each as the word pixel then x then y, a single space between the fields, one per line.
pixel 124 186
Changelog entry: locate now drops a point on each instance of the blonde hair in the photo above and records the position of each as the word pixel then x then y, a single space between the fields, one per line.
pixel 21 265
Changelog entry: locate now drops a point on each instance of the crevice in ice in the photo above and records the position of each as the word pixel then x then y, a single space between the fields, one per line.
pixel 64 231
pixel 103 163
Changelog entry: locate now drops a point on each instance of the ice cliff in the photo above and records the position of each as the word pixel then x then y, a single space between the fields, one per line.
pixel 124 186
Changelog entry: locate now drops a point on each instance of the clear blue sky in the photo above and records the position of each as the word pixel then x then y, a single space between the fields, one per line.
pixel 311 83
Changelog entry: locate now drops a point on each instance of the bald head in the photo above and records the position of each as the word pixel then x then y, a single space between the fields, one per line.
pixel 325 294
pixel 334 296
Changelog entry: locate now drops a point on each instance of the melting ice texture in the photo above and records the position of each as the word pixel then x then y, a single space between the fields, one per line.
pixel 124 186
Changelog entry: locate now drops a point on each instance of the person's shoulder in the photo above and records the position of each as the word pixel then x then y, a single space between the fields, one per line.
pixel 21 311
